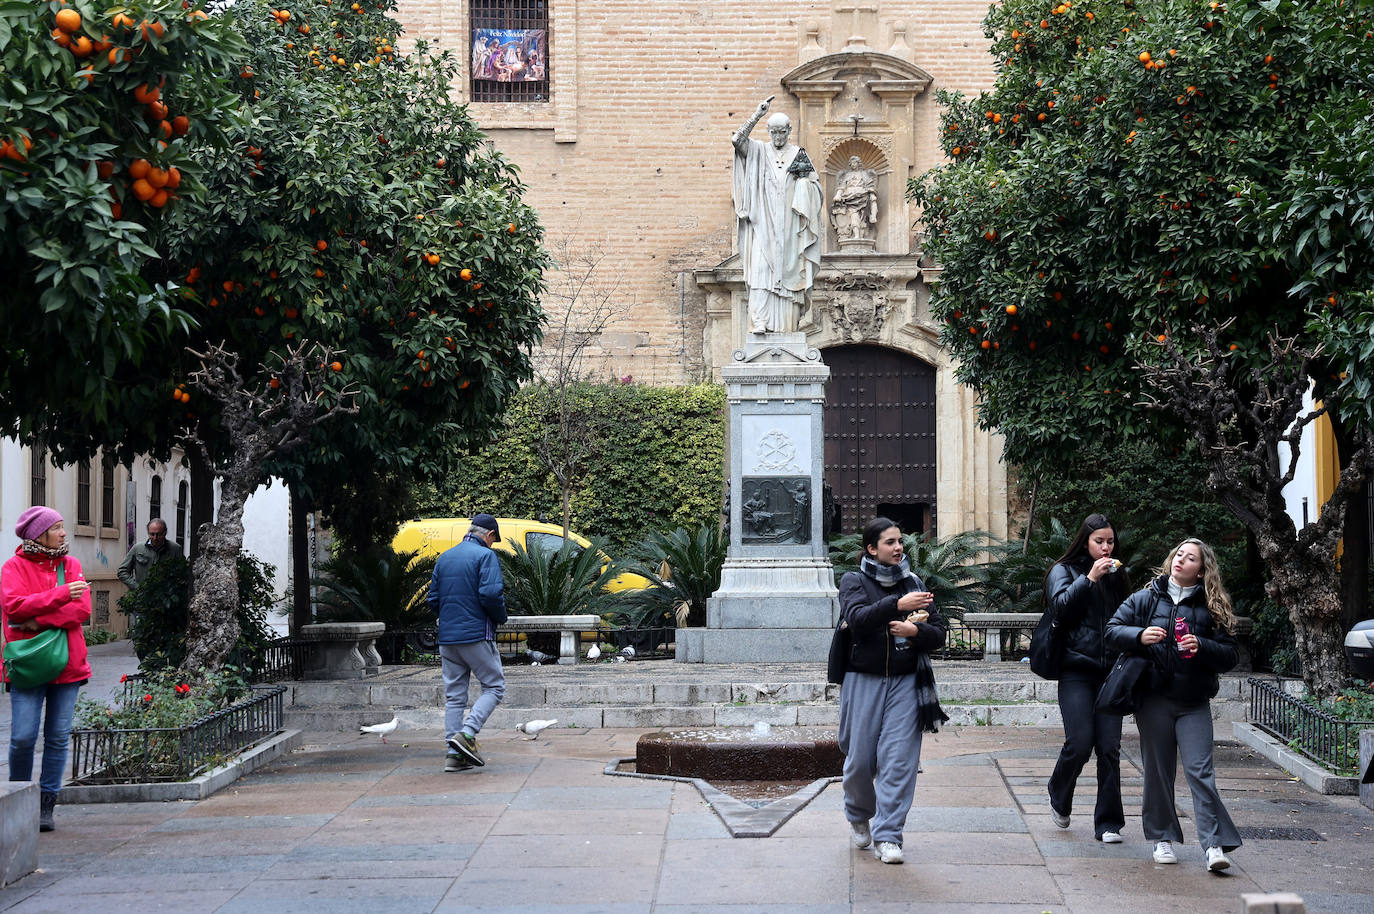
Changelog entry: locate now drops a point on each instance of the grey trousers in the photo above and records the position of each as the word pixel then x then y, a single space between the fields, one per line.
pixel 460 662
pixel 882 751
pixel 1170 731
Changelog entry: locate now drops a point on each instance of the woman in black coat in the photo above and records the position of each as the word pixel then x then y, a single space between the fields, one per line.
pixel 1182 622
pixel 1081 591
pixel 887 700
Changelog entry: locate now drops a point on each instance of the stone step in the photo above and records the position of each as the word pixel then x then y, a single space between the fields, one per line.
pixel 595 696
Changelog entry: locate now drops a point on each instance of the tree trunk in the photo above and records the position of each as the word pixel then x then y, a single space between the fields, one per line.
pixel 202 501
pixel 213 629
pixel 300 564
pixel 1355 561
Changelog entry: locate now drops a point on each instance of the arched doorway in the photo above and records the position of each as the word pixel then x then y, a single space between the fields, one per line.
pixel 880 438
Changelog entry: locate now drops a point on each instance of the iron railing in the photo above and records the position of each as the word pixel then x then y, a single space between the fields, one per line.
pixel 175 753
pixel 283 659
pixel 1317 734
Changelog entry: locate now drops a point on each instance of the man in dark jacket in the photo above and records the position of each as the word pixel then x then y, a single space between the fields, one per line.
pixel 145 555
pixel 469 596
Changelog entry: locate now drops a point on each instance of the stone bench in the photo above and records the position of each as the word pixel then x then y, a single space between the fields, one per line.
pixel 999 626
pixel 568 627
pixel 343 650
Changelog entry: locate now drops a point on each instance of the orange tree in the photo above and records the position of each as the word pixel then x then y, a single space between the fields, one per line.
pixel 98 106
pixel 1158 224
pixel 359 207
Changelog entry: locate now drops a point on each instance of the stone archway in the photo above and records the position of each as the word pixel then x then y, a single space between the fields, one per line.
pixel 880 446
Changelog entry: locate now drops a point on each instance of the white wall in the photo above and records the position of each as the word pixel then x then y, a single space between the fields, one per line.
pixel 1304 484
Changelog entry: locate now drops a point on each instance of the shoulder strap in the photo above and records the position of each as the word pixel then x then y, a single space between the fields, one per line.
pixel 61 571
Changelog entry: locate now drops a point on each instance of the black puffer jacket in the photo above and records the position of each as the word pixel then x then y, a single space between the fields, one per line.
pixel 1081 608
pixel 868 606
pixel 1187 681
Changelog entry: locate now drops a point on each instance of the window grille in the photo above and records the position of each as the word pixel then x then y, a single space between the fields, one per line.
pixel 100 614
pixel 83 494
pixel 107 492
pixel 496 78
pixel 38 475
pixel 154 499
pixel 181 512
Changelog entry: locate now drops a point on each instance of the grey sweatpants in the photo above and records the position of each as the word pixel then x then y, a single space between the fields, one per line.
pixel 460 662
pixel 882 751
pixel 1170 731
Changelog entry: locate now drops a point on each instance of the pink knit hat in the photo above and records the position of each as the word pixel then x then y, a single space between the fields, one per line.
pixel 34 522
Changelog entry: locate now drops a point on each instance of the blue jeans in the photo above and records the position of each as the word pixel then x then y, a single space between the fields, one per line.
pixel 26 710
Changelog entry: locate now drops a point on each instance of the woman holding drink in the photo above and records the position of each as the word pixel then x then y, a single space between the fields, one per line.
pixel 1081 591
pixel 887 699
pixel 1183 622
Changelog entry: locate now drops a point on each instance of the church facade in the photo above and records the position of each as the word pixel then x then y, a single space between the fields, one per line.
pixel 620 115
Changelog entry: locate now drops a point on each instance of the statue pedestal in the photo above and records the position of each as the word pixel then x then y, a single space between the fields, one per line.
pixel 777 599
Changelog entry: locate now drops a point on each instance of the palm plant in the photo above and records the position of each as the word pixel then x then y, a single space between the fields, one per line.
pixel 376 585
pixel 1018 579
pixel 956 568
pixel 567 581
pixel 683 568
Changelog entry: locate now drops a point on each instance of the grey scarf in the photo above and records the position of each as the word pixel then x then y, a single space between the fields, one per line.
pixel 888 575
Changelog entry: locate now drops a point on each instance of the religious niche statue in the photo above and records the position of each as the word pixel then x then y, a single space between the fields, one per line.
pixel 854 208
pixel 778 202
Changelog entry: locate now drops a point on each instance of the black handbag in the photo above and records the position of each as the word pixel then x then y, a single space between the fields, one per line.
pixel 1047 648
pixel 1125 685
pixel 838 661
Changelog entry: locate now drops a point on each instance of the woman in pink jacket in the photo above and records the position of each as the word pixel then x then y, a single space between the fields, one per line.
pixel 42 587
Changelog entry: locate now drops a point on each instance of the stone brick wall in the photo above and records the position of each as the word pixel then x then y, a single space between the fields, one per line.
pixel 632 156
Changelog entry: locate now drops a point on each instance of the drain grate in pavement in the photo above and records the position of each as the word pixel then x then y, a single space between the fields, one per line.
pixel 1279 833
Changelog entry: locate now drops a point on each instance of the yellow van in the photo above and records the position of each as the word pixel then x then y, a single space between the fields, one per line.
pixel 435 535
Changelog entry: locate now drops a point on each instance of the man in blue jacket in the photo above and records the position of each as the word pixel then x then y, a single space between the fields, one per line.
pixel 468 594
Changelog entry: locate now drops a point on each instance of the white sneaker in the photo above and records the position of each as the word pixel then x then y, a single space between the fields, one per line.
pixel 862 836
pixel 1217 859
pixel 1110 837
pixel 888 852
pixel 1164 852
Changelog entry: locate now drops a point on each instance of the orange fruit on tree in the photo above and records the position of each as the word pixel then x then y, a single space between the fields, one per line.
pixel 61 38
pixel 159 199
pixel 173 178
pixel 68 20
pixel 985 344
pixel 292 314
pixel 319 273
pixel 336 366
pixel 432 259
pixel 274 383
pixel 157 111
pixel 154 28
pixel 157 177
pixel 139 168
pixel 143 190
pixel 83 46
pixel 1011 309
pixel 146 94
pixel 466 274
pixel 321 245
pixel 122 21
pixel 103 170
pixel 511 228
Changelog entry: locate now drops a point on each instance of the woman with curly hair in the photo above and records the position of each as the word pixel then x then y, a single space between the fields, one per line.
pixel 1182 621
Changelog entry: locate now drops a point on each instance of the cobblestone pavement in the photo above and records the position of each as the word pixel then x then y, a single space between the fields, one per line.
pixel 346 823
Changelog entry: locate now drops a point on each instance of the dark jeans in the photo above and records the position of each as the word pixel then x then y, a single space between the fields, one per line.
pixel 1086 732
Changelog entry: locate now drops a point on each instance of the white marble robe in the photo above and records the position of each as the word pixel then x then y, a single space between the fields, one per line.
pixel 779 233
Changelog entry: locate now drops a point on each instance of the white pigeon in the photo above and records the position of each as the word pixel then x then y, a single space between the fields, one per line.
pixel 381 729
pixel 594 652
pixel 534 727
pixel 628 652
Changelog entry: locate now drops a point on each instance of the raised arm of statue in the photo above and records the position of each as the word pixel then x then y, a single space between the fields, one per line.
pixel 741 136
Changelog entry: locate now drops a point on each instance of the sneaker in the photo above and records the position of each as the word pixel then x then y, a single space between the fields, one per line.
pixel 1217 860
pixel 466 746
pixel 1164 852
pixel 1110 837
pixel 888 852
pixel 455 762
pixel 862 836
pixel 1057 819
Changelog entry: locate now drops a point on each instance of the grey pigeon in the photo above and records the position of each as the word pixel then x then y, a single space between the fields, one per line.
pixel 538 657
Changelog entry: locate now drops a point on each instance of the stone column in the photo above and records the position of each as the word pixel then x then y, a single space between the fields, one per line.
pixel 777 599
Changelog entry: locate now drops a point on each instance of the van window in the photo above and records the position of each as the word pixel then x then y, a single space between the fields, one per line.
pixel 547 543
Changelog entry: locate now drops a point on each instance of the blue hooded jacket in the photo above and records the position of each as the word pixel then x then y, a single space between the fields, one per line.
pixel 468 593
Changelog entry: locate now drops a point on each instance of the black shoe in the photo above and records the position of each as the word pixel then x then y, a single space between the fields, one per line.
pixel 455 762
pixel 46 802
pixel 466 746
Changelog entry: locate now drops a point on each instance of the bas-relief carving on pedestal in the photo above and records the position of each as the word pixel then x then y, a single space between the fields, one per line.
pixel 776 509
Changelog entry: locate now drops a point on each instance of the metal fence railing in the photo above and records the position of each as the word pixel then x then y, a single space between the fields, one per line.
pixel 1306 728
pixel 175 753
pixel 284 659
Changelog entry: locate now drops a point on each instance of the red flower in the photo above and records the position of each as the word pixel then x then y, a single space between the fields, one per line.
pixel 124 678
pixel 148 698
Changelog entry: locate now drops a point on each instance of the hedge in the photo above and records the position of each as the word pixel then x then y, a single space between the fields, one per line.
pixel 658 466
